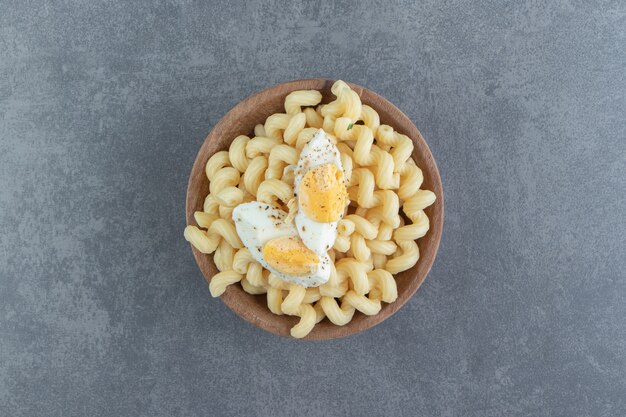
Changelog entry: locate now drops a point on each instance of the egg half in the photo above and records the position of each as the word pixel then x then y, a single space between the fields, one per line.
pixel 277 246
pixel 320 188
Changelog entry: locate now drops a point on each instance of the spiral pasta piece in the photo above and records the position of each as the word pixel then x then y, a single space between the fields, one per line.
pixel 337 315
pixel 243 263
pixel 365 153
pixel 294 298
pixel 365 305
pixel 383 247
pixel 272 190
pixel 199 239
pixel 415 230
pixel 385 232
pixel 203 219
pixel 347 164
pixel 361 225
pixel 383 280
pixel 357 273
pixel 347 104
pixel 253 176
pixel 333 109
pixel 405 236
pixel 362 188
pixel 305 137
pixel 275 300
pixel 223 256
pixel 294 127
pixel 313 119
pixel 370 118
pixel 237 153
pixel 255 275
pixel 336 286
pixel 301 98
pixel 351 104
pixel 402 145
pixel 242 260
pixel 345 227
pixel 229 196
pixel 409 257
pixel 338 87
pixel 225 177
pixel 308 318
pixel 359 248
pixel 218 161
pixel 342 243
pixel 222 280
pixel 260 146
pixel 421 200
pixel 206 242
pixel 362 191
pixel 387 212
pixel 329 123
pixel 226 212
pixel 280 156
pixel 211 206
pixel 276 124
pixel 319 312
pixel 411 179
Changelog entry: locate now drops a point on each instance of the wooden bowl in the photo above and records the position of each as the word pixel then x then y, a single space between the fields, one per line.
pixel 241 120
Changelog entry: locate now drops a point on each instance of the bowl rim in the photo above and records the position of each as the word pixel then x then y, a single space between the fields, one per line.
pixel 436 218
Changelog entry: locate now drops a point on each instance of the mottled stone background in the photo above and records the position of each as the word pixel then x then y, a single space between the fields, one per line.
pixel 103 105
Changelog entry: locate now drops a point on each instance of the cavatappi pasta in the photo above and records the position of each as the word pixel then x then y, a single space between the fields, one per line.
pixel 374 241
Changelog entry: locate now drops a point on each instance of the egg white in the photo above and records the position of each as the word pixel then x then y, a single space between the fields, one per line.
pixel 258 223
pixel 317 236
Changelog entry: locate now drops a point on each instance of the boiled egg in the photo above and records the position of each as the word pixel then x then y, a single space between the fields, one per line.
pixel 277 246
pixel 321 192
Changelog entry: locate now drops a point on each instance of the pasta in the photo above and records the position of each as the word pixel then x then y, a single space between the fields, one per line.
pixel 374 241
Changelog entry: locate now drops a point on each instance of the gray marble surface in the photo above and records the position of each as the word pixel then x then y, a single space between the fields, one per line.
pixel 103 105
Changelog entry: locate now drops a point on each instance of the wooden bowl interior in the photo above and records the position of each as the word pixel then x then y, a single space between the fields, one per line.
pixel 241 120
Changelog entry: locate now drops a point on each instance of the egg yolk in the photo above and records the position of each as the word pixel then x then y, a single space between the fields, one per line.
pixel 288 254
pixel 322 193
